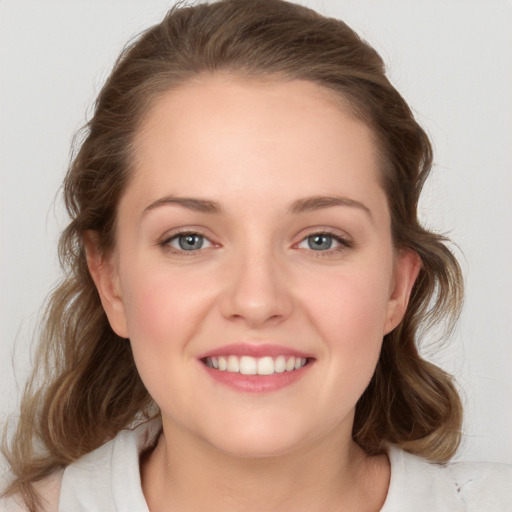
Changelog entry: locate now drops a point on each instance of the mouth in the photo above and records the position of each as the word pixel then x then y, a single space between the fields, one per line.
pixel 248 365
pixel 256 367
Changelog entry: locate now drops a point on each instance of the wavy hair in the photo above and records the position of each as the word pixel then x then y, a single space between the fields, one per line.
pixel 85 387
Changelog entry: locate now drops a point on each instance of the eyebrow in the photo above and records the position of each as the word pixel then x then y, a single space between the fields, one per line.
pixel 191 203
pixel 308 204
pixel 302 205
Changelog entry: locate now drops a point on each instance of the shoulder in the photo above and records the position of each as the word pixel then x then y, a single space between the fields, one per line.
pixel 104 480
pixel 417 484
pixel 48 489
pixel 109 478
pixel 483 485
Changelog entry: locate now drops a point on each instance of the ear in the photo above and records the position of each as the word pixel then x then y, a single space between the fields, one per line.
pixel 104 273
pixel 407 267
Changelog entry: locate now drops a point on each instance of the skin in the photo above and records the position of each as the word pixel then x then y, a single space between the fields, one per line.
pixel 255 148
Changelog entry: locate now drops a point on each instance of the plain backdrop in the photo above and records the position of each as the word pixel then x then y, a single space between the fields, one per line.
pixel 452 61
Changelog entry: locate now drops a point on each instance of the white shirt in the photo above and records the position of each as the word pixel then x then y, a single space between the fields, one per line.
pixel 108 480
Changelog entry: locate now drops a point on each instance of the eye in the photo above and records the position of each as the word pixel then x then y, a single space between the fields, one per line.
pixel 323 242
pixel 187 242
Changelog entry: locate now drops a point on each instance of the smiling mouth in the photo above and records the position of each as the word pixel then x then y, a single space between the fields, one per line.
pixel 247 365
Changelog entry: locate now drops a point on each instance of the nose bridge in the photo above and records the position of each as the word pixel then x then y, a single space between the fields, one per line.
pixel 256 290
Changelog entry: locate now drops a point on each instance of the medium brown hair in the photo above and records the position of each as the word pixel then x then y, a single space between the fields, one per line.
pixel 86 387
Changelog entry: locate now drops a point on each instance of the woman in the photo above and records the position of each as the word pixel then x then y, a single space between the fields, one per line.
pixel 246 268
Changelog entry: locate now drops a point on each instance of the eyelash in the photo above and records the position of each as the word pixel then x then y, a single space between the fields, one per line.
pixel 164 244
pixel 344 243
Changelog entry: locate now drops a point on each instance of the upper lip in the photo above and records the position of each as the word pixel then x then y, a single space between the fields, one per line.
pixel 254 350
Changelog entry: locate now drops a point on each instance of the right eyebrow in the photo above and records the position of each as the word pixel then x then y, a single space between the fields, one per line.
pixel 191 203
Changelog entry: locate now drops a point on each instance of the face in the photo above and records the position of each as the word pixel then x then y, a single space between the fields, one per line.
pixel 254 271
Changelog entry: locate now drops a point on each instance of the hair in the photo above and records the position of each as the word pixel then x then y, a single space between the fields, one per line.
pixel 85 387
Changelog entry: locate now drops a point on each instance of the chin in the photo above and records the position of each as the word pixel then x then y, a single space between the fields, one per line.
pixel 264 447
pixel 258 438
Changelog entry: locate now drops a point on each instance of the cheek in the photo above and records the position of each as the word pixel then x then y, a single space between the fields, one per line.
pixel 165 310
pixel 163 316
pixel 162 306
pixel 349 311
pixel 346 310
pixel 348 303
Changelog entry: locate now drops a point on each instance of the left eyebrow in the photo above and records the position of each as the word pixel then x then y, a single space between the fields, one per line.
pixel 312 203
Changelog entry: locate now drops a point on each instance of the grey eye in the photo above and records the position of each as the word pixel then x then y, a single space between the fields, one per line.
pixel 189 242
pixel 320 242
pixel 325 242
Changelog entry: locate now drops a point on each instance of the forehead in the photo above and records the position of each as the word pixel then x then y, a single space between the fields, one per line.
pixel 221 135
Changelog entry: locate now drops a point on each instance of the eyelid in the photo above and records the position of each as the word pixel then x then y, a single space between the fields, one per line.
pixel 344 240
pixel 180 235
pixel 164 241
pixel 338 234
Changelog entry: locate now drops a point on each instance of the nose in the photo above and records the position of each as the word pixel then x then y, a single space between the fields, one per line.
pixel 256 291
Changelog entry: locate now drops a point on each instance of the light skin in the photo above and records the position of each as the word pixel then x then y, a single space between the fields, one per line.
pixel 280 185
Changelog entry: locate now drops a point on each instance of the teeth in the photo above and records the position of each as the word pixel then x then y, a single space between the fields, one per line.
pixel 280 364
pixel 248 365
pixel 265 366
pixel 233 365
pixel 299 363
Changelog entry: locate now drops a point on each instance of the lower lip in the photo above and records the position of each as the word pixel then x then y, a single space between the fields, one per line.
pixel 257 383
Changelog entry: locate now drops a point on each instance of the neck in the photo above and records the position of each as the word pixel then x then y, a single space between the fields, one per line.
pixel 188 474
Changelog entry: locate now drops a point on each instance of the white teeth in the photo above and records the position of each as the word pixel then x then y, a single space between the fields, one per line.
pixel 290 364
pixel 265 366
pixel 248 365
pixel 280 364
pixel 233 365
